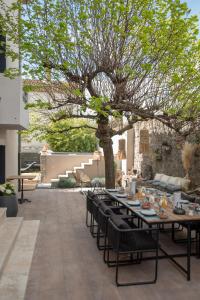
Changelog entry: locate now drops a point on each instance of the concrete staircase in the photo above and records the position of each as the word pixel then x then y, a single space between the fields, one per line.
pixel 17 244
pixel 84 167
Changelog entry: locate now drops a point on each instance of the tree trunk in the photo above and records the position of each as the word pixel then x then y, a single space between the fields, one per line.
pixel 105 141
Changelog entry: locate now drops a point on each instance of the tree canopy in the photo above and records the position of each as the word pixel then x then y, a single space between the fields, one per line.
pixel 134 58
pixel 63 136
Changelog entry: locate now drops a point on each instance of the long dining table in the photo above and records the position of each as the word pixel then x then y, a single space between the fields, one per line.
pixel 172 218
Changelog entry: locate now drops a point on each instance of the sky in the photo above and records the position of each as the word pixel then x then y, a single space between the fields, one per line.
pixel 194 5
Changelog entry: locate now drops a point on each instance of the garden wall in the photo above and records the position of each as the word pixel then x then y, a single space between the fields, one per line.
pixel 158 148
pixel 58 163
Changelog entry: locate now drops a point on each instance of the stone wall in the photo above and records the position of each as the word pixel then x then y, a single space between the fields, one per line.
pixel 163 153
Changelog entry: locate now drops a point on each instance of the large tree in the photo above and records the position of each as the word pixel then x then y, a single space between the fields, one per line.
pixel 112 58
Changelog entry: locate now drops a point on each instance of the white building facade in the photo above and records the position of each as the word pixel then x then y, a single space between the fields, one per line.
pixel 13 116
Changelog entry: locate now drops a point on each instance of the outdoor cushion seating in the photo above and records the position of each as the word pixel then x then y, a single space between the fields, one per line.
pixel 105 211
pixel 170 183
pixel 120 222
pixel 95 203
pixel 131 241
pixel 89 205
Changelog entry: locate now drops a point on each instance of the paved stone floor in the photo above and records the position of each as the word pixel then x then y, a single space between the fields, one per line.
pixel 67 265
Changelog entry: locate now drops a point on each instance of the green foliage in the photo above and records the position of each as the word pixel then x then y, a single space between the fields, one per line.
pixel 76 140
pixel 63 136
pixel 98 181
pixel 7 189
pixel 152 44
pixel 67 183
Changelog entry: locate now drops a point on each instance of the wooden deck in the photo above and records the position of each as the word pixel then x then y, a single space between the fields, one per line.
pixel 67 265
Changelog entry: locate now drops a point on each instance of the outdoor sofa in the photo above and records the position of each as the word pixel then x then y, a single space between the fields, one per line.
pixel 170 183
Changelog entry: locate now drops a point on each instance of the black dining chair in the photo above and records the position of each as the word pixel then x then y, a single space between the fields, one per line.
pixel 131 241
pixel 90 197
pixel 105 210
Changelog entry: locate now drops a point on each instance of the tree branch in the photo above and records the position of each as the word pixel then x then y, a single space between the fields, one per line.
pixel 70 128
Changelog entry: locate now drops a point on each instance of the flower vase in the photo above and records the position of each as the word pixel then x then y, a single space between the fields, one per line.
pixel 10 202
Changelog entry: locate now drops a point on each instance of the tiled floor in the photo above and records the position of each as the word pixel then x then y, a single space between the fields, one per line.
pixel 67 265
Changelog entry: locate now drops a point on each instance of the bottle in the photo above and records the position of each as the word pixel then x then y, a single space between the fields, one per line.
pixel 133 187
pixel 163 201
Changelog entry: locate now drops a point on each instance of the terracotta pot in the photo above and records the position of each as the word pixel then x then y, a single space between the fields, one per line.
pixel 10 202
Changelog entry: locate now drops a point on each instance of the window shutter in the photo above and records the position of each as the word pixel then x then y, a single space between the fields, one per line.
pixel 2 53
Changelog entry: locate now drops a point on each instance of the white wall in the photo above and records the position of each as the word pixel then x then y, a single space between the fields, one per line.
pixel 9 138
pixel 11 153
pixel 12 114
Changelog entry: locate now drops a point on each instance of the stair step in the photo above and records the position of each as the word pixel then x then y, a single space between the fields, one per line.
pixel 85 164
pixel 62 176
pixel 15 276
pixel 78 168
pixel 55 180
pixel 2 214
pixel 91 161
pixel 69 172
pixel 8 233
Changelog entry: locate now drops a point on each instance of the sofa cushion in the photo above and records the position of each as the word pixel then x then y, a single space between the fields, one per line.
pixel 153 181
pixel 158 176
pixel 173 180
pixel 156 182
pixel 165 178
pixel 163 184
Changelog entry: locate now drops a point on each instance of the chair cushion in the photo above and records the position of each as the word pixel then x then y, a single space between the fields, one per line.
pixel 91 194
pixel 163 184
pixel 153 181
pixel 156 182
pixel 193 226
pixel 105 208
pixel 173 188
pixel 190 198
pixel 119 222
pixel 138 240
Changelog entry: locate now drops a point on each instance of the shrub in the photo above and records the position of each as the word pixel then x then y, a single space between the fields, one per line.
pixel 67 183
pixel 98 181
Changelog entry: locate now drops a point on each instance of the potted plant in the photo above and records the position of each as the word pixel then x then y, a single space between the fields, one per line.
pixel 8 199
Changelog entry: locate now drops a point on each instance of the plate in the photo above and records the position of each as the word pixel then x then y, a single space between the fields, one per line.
pixel 149 212
pixel 134 203
pixel 182 201
pixel 113 190
pixel 121 195
pixel 150 189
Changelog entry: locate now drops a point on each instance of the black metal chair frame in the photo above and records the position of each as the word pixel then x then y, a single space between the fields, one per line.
pixel 118 237
pixel 89 200
pixel 103 223
pixel 94 212
pixel 195 240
